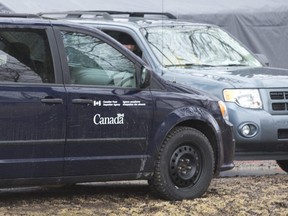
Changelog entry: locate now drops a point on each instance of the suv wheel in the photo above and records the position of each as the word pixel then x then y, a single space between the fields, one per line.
pixel 283 164
pixel 185 164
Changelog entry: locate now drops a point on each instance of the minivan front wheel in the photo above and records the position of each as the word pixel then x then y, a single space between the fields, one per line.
pixel 283 164
pixel 185 164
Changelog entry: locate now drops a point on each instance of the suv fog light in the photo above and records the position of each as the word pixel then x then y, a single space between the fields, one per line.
pixel 248 130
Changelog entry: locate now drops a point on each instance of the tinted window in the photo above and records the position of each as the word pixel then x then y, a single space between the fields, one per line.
pixel 94 62
pixel 25 56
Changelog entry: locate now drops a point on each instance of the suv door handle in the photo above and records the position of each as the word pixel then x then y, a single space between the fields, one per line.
pixel 52 100
pixel 82 101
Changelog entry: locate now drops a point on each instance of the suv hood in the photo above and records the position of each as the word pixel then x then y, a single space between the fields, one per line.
pixel 237 77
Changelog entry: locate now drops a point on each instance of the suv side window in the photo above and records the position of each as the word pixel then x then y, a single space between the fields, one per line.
pixel 94 62
pixel 25 56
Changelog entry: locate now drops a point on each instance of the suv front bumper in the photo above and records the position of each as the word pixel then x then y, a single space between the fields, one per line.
pixel 269 141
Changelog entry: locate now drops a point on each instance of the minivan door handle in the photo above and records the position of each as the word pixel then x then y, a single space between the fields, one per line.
pixel 82 101
pixel 52 100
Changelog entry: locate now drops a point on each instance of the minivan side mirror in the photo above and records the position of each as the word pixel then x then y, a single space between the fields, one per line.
pixel 262 58
pixel 145 77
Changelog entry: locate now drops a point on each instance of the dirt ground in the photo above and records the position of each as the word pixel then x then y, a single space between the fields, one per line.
pixel 259 188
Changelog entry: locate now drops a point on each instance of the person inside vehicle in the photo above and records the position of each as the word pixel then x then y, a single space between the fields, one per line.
pixel 127 41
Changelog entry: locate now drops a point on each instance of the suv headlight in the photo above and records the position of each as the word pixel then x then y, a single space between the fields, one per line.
pixel 246 98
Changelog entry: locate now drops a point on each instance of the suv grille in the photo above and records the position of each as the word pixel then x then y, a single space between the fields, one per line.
pixel 279 102
pixel 278 95
pixel 279 106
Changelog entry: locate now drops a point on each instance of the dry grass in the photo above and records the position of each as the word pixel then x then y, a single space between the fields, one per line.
pixel 250 195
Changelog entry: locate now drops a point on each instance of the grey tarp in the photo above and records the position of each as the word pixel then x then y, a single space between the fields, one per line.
pixel 4 9
pixel 262 31
pixel 262 25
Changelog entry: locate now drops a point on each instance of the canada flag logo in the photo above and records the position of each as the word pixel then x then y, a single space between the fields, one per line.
pixel 97 103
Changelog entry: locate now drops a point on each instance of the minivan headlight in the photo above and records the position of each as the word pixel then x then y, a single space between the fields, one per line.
pixel 246 98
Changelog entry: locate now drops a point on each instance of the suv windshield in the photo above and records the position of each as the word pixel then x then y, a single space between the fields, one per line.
pixel 187 45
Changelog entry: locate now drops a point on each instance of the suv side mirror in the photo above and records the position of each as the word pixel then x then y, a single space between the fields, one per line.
pixel 145 77
pixel 263 59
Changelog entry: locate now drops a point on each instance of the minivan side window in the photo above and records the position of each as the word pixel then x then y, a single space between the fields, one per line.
pixel 25 56
pixel 91 61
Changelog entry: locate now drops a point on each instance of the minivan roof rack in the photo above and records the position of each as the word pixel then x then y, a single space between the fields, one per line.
pixel 76 14
pixel 19 15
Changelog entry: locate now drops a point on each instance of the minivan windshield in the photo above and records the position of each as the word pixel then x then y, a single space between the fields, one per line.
pixel 189 45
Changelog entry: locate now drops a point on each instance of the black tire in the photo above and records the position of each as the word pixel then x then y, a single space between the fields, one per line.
pixel 283 164
pixel 184 166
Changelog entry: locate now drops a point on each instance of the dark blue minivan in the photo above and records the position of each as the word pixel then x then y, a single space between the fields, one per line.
pixel 75 106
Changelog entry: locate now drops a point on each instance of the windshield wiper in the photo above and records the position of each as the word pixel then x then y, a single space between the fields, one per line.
pixel 232 65
pixel 191 65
